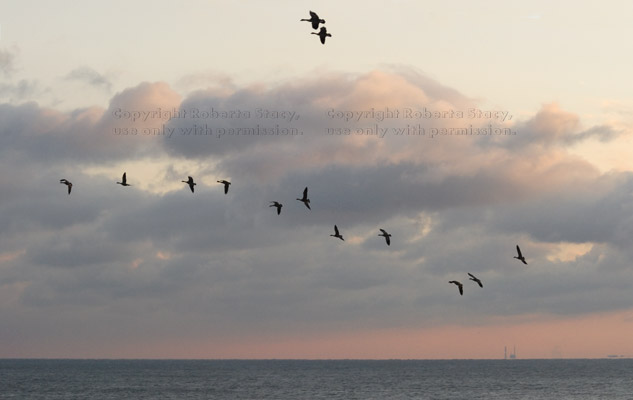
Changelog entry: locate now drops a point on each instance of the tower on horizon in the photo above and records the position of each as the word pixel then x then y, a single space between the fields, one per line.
pixel 513 355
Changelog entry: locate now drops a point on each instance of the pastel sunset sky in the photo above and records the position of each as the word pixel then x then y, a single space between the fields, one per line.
pixel 462 128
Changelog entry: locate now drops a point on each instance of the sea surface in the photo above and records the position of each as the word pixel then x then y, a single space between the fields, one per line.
pixel 293 379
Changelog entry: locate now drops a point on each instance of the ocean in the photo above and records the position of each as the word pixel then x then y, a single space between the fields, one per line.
pixel 298 379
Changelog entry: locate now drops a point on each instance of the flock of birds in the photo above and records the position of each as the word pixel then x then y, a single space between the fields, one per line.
pixel 315 21
pixel 306 201
pixel 460 286
pixel 323 33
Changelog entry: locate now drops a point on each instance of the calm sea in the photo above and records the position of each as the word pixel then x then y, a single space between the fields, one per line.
pixel 280 379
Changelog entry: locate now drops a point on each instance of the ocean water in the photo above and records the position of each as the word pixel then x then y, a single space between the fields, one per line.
pixel 294 379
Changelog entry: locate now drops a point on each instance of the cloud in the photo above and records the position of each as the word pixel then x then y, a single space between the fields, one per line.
pixel 90 76
pixel 7 61
pixel 148 260
pixel 20 91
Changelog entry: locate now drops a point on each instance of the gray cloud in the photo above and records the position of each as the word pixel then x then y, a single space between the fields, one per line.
pixel 20 91
pixel 152 263
pixel 7 61
pixel 90 76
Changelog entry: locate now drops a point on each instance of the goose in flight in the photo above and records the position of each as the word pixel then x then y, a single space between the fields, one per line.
pixel 278 205
pixel 459 285
pixel 226 185
pixel 191 183
pixel 124 181
pixel 520 256
pixel 305 200
pixel 386 235
pixel 337 234
pixel 475 279
pixel 322 34
pixel 315 20
pixel 67 183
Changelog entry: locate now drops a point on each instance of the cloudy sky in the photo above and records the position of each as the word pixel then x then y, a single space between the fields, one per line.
pixel 461 128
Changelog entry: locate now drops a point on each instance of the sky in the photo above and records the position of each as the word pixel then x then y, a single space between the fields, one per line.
pixel 462 128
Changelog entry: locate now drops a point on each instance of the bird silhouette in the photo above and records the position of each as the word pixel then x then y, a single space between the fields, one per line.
pixel 67 183
pixel 386 235
pixel 520 256
pixel 305 200
pixel 459 285
pixel 278 205
pixel 322 34
pixel 475 279
pixel 226 185
pixel 124 181
pixel 315 20
pixel 191 183
pixel 337 234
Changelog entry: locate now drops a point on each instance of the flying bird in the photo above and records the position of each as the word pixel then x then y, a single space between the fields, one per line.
pixel 226 185
pixel 322 34
pixel 520 256
pixel 337 234
pixel 191 183
pixel 386 235
pixel 314 18
pixel 459 285
pixel 124 181
pixel 305 200
pixel 475 279
pixel 278 205
pixel 67 183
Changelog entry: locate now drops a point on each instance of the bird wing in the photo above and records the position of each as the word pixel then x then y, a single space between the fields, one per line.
pixel 461 290
pixel 70 186
pixel 124 180
pixel 336 230
pixel 305 193
pixel 314 19
pixel 519 251
pixel 388 239
pixel 472 276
